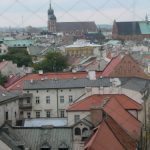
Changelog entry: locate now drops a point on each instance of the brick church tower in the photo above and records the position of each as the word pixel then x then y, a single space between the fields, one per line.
pixel 51 20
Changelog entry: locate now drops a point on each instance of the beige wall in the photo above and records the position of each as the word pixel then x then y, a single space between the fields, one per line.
pixel 3 146
pixel 55 106
pixel 10 107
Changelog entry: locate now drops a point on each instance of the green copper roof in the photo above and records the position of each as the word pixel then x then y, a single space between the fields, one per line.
pixel 144 27
pixel 19 43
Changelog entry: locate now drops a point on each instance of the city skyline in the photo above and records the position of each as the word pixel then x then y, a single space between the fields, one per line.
pixel 19 13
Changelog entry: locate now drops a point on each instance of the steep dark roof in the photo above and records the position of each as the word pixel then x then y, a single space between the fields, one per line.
pixel 73 26
pixel 35 138
pixel 128 28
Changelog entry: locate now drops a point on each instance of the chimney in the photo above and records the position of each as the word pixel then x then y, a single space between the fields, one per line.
pixel 97 114
pixel 40 72
pixel 92 75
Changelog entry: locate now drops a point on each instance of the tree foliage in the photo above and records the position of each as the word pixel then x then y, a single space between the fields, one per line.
pixel 18 56
pixel 3 79
pixel 53 62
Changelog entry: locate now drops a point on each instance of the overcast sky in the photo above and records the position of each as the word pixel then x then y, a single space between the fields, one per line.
pixel 22 13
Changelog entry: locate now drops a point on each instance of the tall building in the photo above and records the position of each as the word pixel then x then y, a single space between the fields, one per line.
pixel 132 30
pixel 69 28
pixel 51 20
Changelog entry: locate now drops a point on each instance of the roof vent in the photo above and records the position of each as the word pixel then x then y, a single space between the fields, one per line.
pixel 40 72
pixel 31 81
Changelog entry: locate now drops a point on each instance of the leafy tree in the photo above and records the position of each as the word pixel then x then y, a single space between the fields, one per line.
pixel 3 79
pixel 53 62
pixel 18 56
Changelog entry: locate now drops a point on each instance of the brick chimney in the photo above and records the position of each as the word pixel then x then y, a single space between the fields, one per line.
pixel 97 113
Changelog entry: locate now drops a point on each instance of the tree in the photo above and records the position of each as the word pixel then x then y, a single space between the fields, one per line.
pixel 18 56
pixel 53 62
pixel 3 79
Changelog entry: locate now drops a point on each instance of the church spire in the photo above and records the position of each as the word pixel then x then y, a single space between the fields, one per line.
pixel 146 18
pixel 50 4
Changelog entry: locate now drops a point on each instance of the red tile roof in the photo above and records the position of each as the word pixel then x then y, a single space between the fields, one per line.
pixel 130 124
pixel 109 134
pixel 111 65
pixel 103 139
pixel 128 142
pixel 95 100
pixel 3 64
pixel 64 75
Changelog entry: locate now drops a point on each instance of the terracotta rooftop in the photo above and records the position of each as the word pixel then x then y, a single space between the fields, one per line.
pixel 96 100
pixel 125 120
pixel 111 65
pixel 104 139
pixel 109 134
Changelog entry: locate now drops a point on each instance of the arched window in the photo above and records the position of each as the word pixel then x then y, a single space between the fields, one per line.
pixel 77 131
pixel 84 129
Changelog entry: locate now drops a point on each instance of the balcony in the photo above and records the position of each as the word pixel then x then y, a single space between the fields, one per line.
pixel 25 106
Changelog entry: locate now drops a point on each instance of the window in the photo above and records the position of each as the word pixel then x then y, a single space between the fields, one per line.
pixel 27 91
pixel 6 115
pixel 76 118
pixel 70 99
pixel 77 131
pixel 37 91
pixel 48 99
pixel 28 100
pixel 37 100
pixel 48 114
pixel 61 99
pixel 28 115
pixel 15 114
pixel 84 130
pixel 37 114
pixel 62 113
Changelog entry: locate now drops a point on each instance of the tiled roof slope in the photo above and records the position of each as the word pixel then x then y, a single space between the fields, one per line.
pixel 109 134
pixel 73 26
pixel 128 142
pixel 103 139
pixel 130 124
pixel 124 66
pixel 96 100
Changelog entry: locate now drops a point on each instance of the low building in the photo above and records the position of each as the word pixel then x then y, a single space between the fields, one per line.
pixel 82 48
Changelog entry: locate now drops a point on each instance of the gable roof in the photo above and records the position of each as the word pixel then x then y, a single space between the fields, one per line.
pixel 76 26
pixel 110 133
pixel 111 65
pixel 124 66
pixel 125 120
pixel 128 28
pixel 96 100
pixel 104 139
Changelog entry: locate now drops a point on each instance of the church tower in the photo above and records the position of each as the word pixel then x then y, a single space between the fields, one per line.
pixel 51 20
